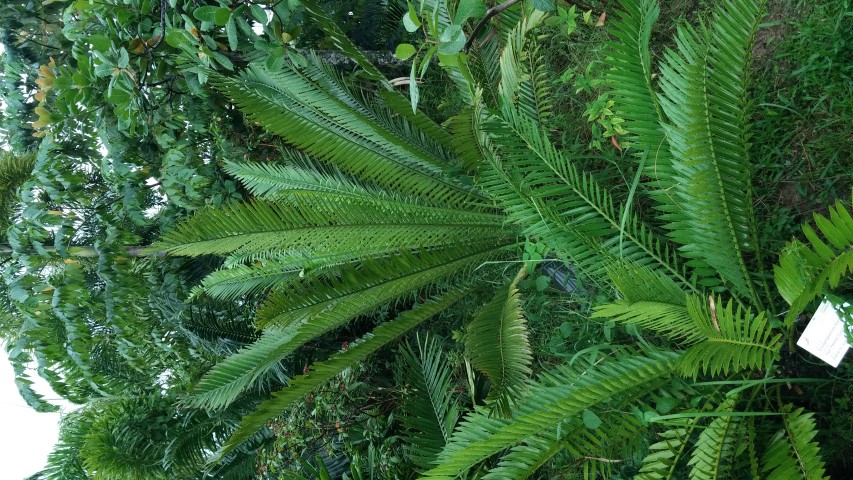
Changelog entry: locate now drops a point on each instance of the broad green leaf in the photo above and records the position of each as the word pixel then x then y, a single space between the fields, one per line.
pixel 414 91
pixel 410 20
pixel 221 16
pixel 591 420
pixel 405 51
pixel 544 5
pixel 468 9
pixel 231 31
pixel 206 13
pixel 452 40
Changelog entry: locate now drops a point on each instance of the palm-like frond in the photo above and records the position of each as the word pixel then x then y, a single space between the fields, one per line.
pixel 631 77
pixel 239 280
pixel 522 79
pixel 664 456
pixel 334 129
pixel 267 180
pixel 669 320
pixel 229 378
pixel 650 300
pixel 791 453
pixel 14 170
pixel 64 462
pixel 805 270
pixel 340 39
pixel 544 191
pixel 496 341
pixel 429 410
pixel 523 460
pixel 705 99
pixel 321 372
pixel 735 339
pixel 480 436
pixel 716 445
pixel 318 305
pixel 309 223
pixel 354 289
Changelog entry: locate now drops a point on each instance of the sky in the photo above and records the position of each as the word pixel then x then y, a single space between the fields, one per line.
pixel 26 436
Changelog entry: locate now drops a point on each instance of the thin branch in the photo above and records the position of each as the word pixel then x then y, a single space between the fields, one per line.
pixel 489 14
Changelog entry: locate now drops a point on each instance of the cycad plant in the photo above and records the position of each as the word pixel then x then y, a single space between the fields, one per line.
pixel 367 212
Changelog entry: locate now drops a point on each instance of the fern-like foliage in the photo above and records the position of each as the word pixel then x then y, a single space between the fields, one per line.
pixel 631 77
pixel 665 455
pixel 481 436
pixel 735 339
pixel 266 180
pixel 791 452
pixel 650 300
pixel 544 191
pixel 496 341
pixel 330 125
pixel 318 224
pixel 524 459
pixel 14 170
pixel 806 269
pixel 321 372
pixel 705 100
pixel 429 411
pixel 717 443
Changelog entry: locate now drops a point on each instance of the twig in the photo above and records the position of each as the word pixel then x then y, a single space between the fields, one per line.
pixel 605 460
pixel 489 14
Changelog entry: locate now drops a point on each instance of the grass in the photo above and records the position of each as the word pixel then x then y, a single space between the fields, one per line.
pixel 803 113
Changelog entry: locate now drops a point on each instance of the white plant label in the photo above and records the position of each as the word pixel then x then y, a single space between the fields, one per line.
pixel 824 336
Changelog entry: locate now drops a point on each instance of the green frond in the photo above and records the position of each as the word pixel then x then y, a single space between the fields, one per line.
pixel 669 320
pixel 188 450
pixel 318 305
pixel 14 171
pixel 717 444
pixel 266 180
pixel 612 438
pixel 525 459
pixel 791 453
pixel 735 340
pixel 805 270
pixel 619 436
pixel 223 383
pixel 429 410
pixel 402 106
pixel 496 342
pixel 316 224
pixel 208 321
pixel 664 456
pixel 631 76
pixel 292 104
pixel 64 462
pixel 468 137
pixel 543 190
pixel 650 300
pixel 322 372
pixel 240 280
pixel 517 89
pixel 704 95
pixel 356 288
pixel 637 284
pixel 481 436
pixel 524 82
